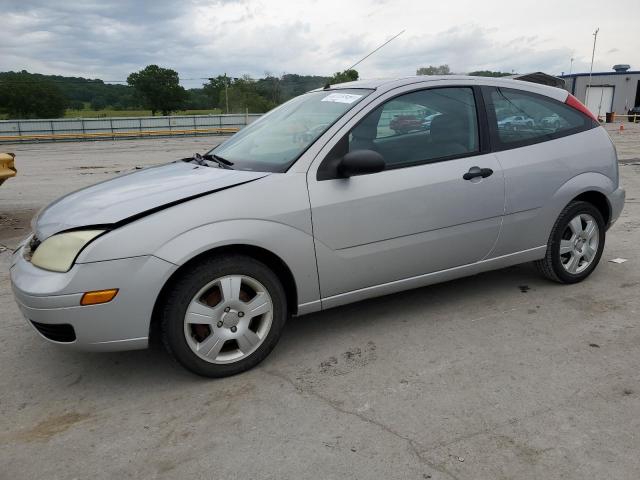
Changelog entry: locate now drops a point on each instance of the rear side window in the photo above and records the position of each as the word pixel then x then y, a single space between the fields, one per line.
pixel 521 118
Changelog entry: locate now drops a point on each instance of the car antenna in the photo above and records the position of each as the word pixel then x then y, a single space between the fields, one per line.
pixel 376 49
pixel 328 85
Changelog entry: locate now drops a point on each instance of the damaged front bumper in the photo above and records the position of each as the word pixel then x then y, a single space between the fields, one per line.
pixel 50 301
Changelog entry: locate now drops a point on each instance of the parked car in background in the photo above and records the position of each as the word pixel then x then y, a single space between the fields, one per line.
pixel 7 166
pixel 212 254
pixel 515 122
pixel 405 124
pixel 551 121
pixel 426 123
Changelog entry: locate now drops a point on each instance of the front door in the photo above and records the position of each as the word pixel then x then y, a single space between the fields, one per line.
pixel 419 215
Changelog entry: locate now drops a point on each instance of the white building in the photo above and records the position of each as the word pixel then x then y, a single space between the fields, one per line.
pixel 617 91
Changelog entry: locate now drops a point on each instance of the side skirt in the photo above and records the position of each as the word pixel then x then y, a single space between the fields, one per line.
pixel 431 278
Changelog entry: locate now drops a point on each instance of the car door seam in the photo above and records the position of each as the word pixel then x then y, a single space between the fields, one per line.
pixel 504 207
pixel 313 238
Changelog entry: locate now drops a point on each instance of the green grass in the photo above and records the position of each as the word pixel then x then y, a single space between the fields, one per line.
pixel 87 113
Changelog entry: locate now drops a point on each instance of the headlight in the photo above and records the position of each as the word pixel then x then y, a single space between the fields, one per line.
pixel 57 253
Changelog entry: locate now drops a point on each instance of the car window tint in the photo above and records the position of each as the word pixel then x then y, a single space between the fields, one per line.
pixel 420 127
pixel 523 117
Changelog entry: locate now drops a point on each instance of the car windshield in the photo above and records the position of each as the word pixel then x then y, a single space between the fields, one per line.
pixel 276 140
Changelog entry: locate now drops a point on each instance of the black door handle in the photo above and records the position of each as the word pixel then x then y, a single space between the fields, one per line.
pixel 477 172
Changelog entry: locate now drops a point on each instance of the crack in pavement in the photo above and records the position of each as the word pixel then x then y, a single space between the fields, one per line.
pixel 416 448
pixel 413 445
pixel 497 426
pixel 487 430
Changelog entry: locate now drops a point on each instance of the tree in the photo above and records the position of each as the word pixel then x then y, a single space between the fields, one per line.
pixel 98 103
pixel 346 76
pixel 433 70
pixel 488 73
pixel 292 85
pixel 159 88
pixel 215 88
pixel 78 89
pixel 198 100
pixel 76 105
pixel 270 88
pixel 24 96
pixel 243 95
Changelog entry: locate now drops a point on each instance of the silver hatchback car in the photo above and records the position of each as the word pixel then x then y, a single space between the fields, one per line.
pixel 317 204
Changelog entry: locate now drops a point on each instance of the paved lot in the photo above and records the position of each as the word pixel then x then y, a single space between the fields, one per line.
pixel 501 375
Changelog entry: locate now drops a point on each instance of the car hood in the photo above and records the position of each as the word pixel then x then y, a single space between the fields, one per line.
pixel 136 194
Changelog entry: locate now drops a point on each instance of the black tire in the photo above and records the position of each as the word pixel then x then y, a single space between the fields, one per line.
pixel 190 282
pixel 551 265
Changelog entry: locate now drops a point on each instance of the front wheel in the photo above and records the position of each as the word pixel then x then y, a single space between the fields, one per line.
pixel 224 315
pixel 575 244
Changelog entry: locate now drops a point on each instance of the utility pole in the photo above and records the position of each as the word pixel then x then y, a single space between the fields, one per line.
pixel 593 53
pixel 226 91
pixel 571 66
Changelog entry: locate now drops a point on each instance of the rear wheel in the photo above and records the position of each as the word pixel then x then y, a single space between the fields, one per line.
pixel 575 244
pixel 224 315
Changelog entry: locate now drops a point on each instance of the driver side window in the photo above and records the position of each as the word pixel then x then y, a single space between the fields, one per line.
pixel 420 127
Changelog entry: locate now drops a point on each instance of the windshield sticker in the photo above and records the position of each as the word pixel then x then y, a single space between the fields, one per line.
pixel 341 97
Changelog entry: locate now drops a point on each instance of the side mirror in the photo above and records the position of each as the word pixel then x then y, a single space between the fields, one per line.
pixel 360 162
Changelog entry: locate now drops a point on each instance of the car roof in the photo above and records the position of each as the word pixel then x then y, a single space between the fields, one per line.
pixel 385 84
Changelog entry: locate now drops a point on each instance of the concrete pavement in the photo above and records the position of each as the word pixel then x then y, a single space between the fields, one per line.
pixel 500 375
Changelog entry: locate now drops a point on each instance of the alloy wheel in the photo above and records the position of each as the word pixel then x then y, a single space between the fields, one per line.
pixel 228 319
pixel 579 243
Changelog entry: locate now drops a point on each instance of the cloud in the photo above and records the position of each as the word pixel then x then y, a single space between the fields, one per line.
pixel 201 38
pixel 468 48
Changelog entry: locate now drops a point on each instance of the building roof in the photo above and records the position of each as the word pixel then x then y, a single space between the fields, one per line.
pixel 599 74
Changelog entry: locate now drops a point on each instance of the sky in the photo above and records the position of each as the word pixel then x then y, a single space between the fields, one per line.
pixel 109 39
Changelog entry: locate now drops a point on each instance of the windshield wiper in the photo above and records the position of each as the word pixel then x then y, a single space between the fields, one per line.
pixel 209 161
pixel 223 162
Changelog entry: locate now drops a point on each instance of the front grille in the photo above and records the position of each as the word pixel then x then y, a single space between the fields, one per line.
pixel 57 332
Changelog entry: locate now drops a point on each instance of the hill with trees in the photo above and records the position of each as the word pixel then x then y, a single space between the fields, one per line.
pixel 154 89
pixel 23 95
pixel 157 90
pixel 445 70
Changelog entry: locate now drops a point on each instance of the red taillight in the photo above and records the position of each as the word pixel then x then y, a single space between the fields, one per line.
pixel 578 105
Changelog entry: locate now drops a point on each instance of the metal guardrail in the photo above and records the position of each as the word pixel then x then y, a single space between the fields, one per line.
pixel 70 129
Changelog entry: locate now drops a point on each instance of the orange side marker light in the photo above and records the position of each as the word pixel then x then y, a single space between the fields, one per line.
pixel 99 296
